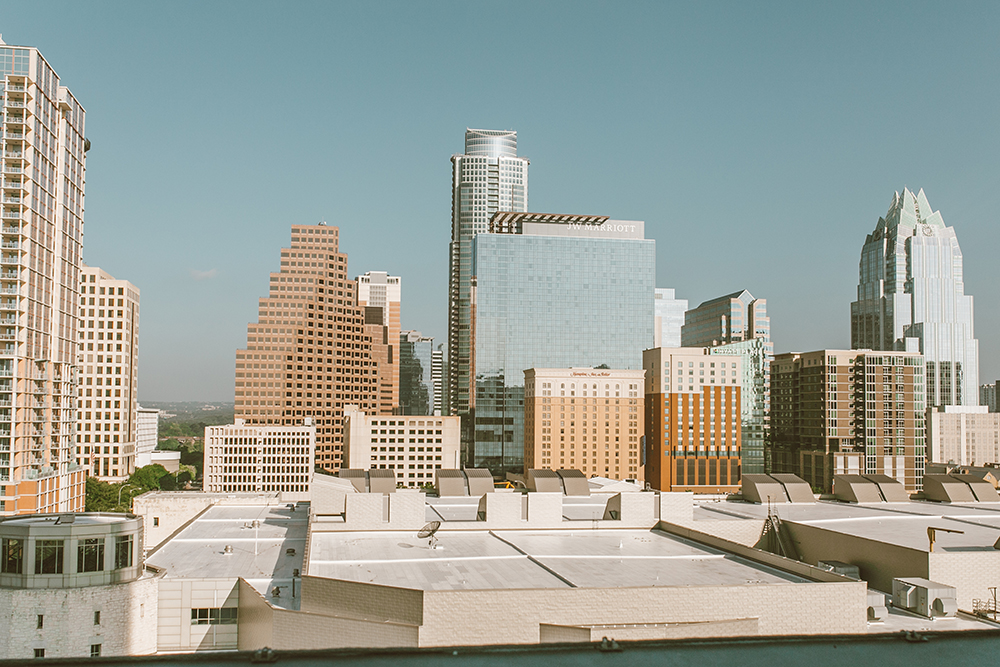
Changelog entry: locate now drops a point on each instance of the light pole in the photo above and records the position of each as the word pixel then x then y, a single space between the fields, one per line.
pixel 122 488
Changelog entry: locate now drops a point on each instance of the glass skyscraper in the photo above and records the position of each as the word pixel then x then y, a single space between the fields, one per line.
pixel 911 297
pixel 487 178
pixel 416 379
pixel 550 291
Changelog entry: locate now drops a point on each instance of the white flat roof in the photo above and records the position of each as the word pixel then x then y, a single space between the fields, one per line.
pixel 519 559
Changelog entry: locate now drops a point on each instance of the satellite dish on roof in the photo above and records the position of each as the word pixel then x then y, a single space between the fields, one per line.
pixel 428 531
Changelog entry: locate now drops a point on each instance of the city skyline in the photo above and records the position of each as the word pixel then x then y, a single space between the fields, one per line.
pixel 799 164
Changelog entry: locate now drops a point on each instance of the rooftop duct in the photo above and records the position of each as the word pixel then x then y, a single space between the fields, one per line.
pixel 856 489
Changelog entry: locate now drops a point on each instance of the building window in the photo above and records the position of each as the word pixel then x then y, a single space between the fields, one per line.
pixel 97 618
pixel 95 650
pixel 223 616
pixel 40 621
pixel 90 555
pixel 39 653
pixel 123 551
pixel 49 557
pixel 12 559
pixel 156 521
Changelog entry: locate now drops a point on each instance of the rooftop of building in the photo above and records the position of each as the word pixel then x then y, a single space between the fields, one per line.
pixel 263 544
pixel 66 519
pixel 902 524
pixel 519 559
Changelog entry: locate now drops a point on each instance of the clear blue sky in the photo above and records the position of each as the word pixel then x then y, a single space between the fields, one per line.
pixel 760 142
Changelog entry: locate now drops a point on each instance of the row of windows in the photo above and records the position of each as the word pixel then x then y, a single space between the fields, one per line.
pixel 50 555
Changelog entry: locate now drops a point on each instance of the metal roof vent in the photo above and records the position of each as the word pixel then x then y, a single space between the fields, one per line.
pixel 228 550
pixel 289 552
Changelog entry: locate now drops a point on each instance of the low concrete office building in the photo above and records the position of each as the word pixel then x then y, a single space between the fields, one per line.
pixel 74 585
pixel 587 419
pixel 965 435
pixel 413 446
pixel 883 540
pixel 258 543
pixel 241 458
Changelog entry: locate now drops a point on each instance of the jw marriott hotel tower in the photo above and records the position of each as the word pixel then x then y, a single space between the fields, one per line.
pixel 911 297
pixel 486 178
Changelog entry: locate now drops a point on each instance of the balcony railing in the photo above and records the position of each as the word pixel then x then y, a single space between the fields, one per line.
pixel 15 88
pixel 10 245
pixel 11 230
pixel 11 214
pixel 14 104
pixel 14 154
pixel 13 170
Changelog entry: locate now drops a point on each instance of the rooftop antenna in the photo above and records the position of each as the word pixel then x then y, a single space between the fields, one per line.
pixel 428 531
pixel 322 223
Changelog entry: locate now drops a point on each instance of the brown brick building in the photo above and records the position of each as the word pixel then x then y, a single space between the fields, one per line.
pixel 308 354
pixel 693 425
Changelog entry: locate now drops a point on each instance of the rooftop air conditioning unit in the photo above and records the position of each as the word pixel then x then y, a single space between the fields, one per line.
pixel 924 597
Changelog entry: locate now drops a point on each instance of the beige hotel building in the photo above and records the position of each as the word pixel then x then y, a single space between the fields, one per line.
pixel 590 419
pixel 379 299
pixel 107 404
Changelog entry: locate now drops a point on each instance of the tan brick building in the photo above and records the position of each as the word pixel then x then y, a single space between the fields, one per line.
pixel 590 419
pixel 693 423
pixel 308 354
pixel 107 407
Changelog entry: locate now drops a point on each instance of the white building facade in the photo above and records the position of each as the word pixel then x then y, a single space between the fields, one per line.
pixel 669 317
pixel 241 458
pixel 414 446
pixel 911 297
pixel 107 404
pixel 966 435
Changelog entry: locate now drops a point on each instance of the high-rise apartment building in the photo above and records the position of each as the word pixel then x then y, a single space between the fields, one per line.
pixel 379 299
pixel 550 291
pixel 240 458
pixel 669 318
pixel 965 435
pixel 417 389
pixel 107 406
pixel 308 354
pixel 486 178
pixel 988 395
pixel 911 296
pixel 843 411
pixel 589 419
pixel 42 242
pixel 439 378
pixel 692 420
pixel 413 446
pixel 737 325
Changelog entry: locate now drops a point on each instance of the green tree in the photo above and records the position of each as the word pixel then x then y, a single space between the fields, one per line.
pixel 147 478
pixel 101 496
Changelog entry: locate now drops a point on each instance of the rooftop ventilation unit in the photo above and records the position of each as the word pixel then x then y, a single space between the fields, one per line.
pixel 924 597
